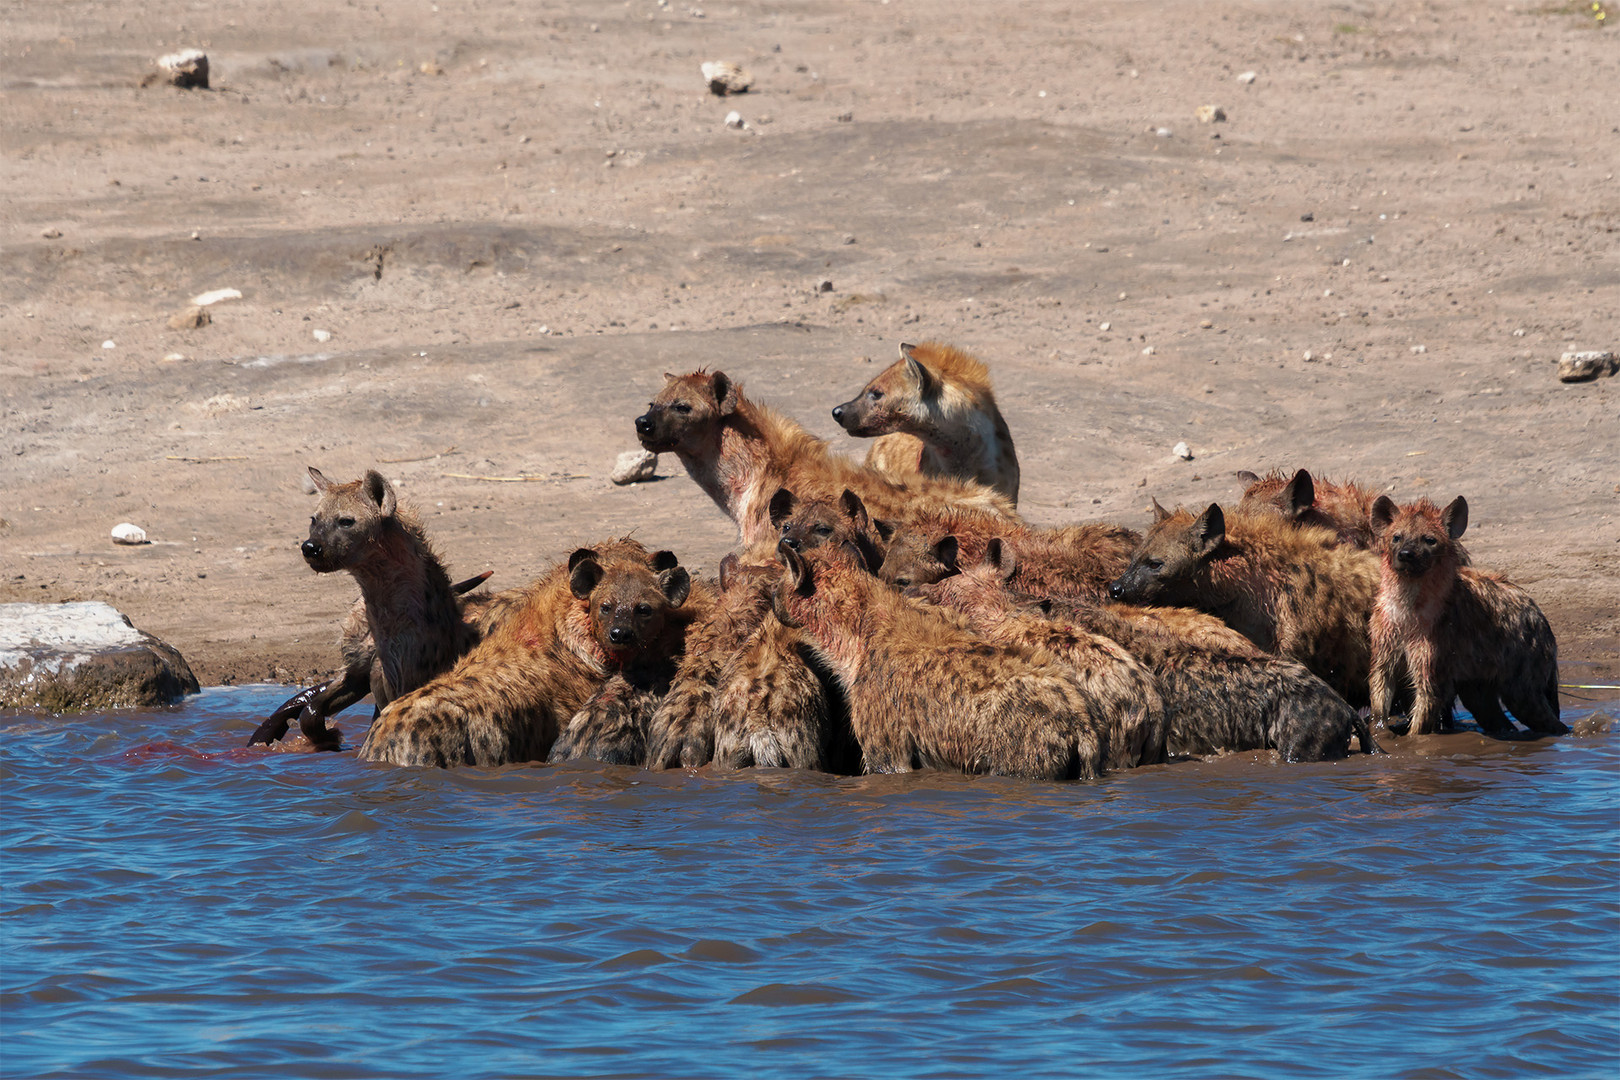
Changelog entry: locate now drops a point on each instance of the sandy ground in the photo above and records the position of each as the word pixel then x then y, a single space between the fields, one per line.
pixel 512 218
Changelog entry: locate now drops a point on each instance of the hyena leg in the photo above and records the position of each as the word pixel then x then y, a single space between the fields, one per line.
pixel 1480 699
pixel 1383 682
pixel 1534 712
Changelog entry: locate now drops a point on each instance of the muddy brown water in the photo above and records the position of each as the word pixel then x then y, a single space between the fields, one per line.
pixel 176 905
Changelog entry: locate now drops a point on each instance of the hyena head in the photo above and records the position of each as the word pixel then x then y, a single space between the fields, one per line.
pixel 347 520
pixel 688 411
pixel 805 524
pixel 1166 567
pixel 979 589
pixel 911 560
pixel 1414 539
pixel 886 403
pixel 1293 499
pixel 630 601
pixel 737 576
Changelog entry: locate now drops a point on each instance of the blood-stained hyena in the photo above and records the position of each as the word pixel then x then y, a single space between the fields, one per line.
pixel 410 623
pixel 925 692
pixel 507 699
pixel 1451 631
pixel 934 413
pixel 740 453
pixel 639 617
pixel 1293 591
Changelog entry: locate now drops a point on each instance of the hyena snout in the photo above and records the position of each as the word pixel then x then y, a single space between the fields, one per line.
pixel 849 416
pixel 621 635
pixel 311 549
pixel 644 425
pixel 1116 591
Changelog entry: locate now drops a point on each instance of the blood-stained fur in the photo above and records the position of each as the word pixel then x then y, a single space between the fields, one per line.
pixel 507 699
pixel 1448 630
pixel 934 413
pixel 1292 591
pixel 740 453
pixel 924 692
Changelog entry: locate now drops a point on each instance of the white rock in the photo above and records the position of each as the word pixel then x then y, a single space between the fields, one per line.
pixel 214 296
pixel 109 344
pixel 724 77
pixel 1309 356
pixel 1104 326
pixel 186 69
pixel 1419 350
pixel 1580 366
pixel 734 120
pixel 322 336
pixel 1211 114
pixel 1182 451
pixel 1247 77
pixel 634 466
pixel 128 534
pixel 1148 351
pixel 1163 133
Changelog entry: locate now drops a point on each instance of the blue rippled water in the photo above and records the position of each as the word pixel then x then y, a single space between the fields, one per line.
pixel 174 906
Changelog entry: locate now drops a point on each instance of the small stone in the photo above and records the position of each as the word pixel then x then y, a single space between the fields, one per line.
pixel 322 336
pixel 845 117
pixel 1211 114
pixel 1247 78
pixel 634 466
pixel 214 296
pixel 1518 333
pixel 849 239
pixel 190 319
pixel 1182 451
pixel 127 533
pixel 171 357
pixel 109 344
pixel 429 67
pixel 824 285
pixel 1205 324
pixel 1419 350
pixel 1307 216
pixel 1148 351
pixel 724 77
pixel 1163 133
pixel 187 69
pixel 734 120
pixel 1581 366
pixel 1104 326
pixel 52 234
pixel 1309 356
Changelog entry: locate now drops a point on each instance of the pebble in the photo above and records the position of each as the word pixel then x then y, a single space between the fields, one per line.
pixel 1309 356
pixel 734 120
pixel 52 234
pixel 190 319
pixel 1419 350
pixel 1182 451
pixel 1104 326
pixel 1148 351
pixel 1205 324
pixel 824 285
pixel 322 336
pixel 1163 133
pixel 1211 114
pixel 1247 78
pixel 127 533
pixel 634 466
pixel 187 69
pixel 214 296
pixel 1581 366
pixel 109 344
pixel 724 77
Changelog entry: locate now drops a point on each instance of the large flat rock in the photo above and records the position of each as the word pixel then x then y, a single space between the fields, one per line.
pixel 84 655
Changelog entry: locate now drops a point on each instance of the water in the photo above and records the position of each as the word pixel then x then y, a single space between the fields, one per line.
pixel 176 906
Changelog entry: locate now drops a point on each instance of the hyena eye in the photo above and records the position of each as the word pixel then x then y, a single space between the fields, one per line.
pixel 606 606
pixel 682 407
pixel 823 530
pixel 1430 541
pixel 874 395
pixel 346 522
pixel 1153 564
pixel 902 583
pixel 643 610
pixel 1399 539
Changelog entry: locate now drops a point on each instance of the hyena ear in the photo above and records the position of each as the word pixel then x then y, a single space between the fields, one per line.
pixel 1382 513
pixel 946 551
pixel 856 510
pixel 676 585
pixel 663 560
pixel 885 529
pixel 380 491
pixel 781 507
pixel 579 556
pixel 725 393
pixel 1001 557
pixel 1247 478
pixel 1300 494
pixel 798 570
pixel 728 569
pixel 321 483
pixel 906 349
pixel 921 376
pixel 585 576
pixel 1455 518
pixel 1159 512
pixel 862 554
pixel 1209 530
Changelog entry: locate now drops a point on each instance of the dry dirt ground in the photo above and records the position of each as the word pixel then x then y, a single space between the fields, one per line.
pixel 512 218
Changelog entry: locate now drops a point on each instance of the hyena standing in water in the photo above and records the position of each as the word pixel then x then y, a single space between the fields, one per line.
pixel 639 618
pixel 933 412
pixel 1455 632
pixel 411 624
